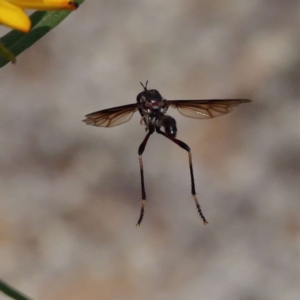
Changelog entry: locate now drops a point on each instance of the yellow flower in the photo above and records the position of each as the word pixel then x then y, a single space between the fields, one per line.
pixel 13 15
pixel 45 4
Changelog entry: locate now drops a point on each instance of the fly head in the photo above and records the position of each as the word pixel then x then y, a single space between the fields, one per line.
pixel 151 101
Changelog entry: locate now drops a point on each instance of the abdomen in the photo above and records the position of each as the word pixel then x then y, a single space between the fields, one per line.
pixel 169 125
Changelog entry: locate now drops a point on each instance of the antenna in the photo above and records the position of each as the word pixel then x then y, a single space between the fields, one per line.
pixel 145 86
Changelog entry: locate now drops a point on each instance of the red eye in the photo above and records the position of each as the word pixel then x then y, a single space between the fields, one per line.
pixel 154 104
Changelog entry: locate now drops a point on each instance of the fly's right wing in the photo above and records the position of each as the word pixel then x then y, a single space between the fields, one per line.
pixel 206 109
pixel 112 116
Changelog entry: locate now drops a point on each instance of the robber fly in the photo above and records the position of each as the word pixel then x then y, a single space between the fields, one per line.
pixel 153 107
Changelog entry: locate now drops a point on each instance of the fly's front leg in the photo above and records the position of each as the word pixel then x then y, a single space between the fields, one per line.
pixel 141 150
pixel 187 148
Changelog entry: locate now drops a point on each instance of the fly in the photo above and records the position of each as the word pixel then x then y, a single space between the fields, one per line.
pixel 153 107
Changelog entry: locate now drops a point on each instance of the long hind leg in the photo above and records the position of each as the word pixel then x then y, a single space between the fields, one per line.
pixel 141 150
pixel 187 148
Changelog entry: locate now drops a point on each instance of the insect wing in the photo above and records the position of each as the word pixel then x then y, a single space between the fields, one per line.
pixel 111 117
pixel 205 109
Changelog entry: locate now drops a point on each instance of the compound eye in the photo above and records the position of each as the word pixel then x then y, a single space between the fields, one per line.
pixel 139 97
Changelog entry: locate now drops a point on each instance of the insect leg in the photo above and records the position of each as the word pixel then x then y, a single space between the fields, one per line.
pixel 141 150
pixel 187 148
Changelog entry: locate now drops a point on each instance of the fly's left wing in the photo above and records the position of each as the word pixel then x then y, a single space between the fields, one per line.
pixel 111 117
pixel 205 109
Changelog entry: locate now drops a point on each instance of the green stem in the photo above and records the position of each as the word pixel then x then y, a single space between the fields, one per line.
pixel 11 292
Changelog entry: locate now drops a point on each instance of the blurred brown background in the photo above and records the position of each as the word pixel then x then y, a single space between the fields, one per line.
pixel 70 193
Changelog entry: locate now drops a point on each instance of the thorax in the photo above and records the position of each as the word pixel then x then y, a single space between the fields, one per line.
pixel 152 107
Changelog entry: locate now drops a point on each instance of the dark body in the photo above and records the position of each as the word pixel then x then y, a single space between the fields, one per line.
pixel 153 107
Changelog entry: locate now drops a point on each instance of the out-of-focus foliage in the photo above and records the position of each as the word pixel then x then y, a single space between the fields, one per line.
pixel 11 292
pixel 41 23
